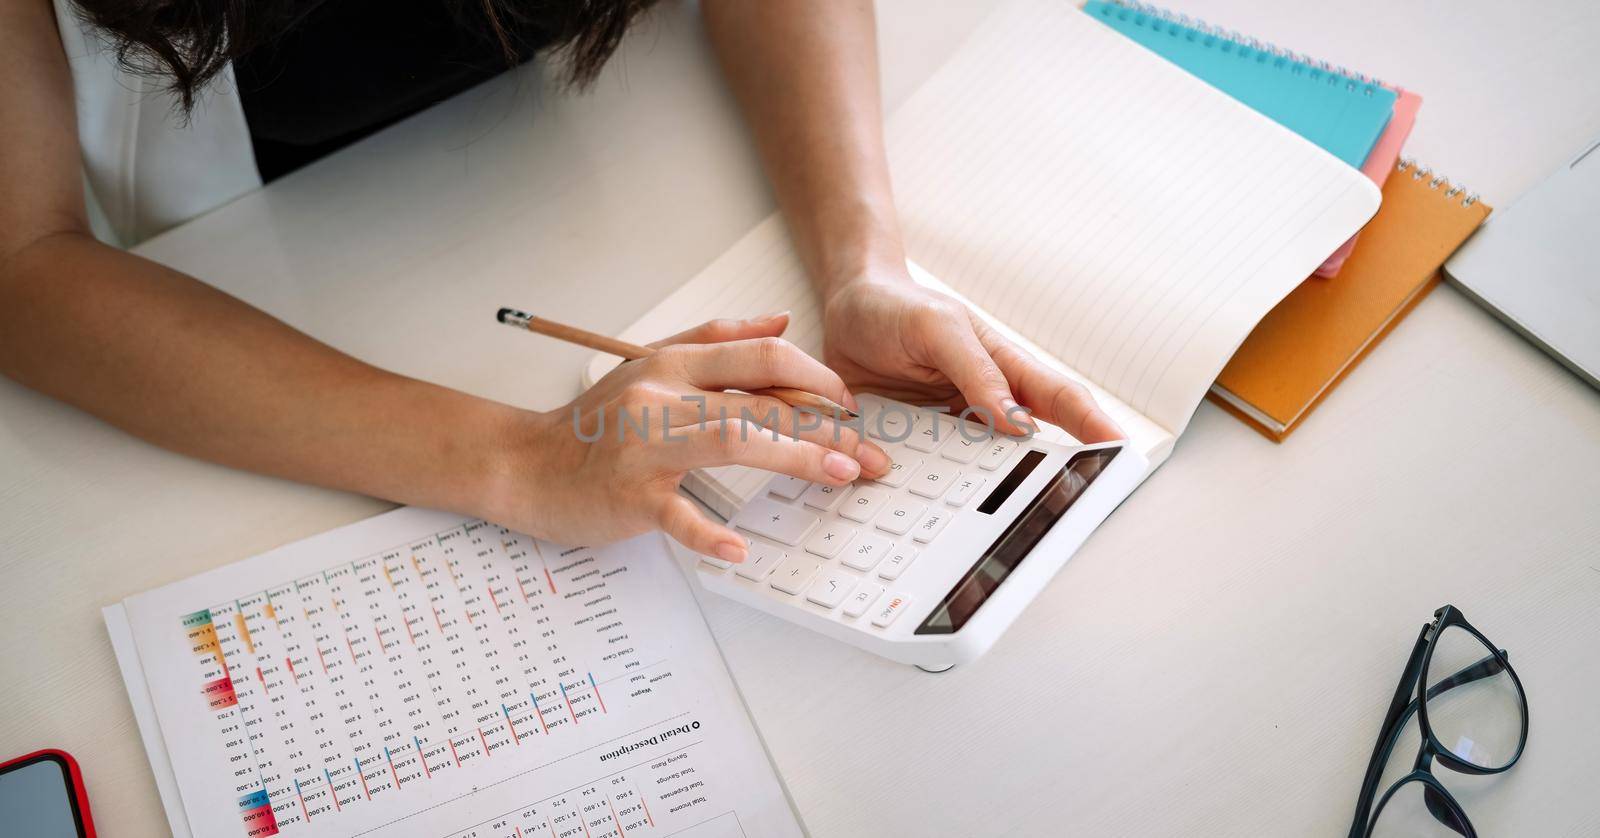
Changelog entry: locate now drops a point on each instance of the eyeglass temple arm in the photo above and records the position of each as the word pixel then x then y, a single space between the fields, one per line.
pixel 1398 714
pixel 1398 708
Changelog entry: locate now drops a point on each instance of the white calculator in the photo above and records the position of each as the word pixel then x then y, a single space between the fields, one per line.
pixel 929 564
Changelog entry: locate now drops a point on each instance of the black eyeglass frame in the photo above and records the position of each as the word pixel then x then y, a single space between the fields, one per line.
pixel 1411 696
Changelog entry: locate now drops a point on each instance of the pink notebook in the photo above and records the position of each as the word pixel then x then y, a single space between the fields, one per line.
pixel 1380 162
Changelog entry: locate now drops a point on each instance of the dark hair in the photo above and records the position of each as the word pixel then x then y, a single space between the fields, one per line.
pixel 190 41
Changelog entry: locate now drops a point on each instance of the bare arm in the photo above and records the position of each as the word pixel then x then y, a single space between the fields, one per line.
pixel 185 366
pixel 806 74
pixel 177 362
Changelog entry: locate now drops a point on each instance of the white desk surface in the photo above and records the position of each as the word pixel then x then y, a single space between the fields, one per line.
pixel 1215 661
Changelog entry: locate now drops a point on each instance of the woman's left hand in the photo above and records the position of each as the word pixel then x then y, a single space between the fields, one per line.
pixel 887 334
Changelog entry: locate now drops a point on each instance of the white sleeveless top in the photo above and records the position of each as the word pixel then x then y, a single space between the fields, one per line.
pixel 145 169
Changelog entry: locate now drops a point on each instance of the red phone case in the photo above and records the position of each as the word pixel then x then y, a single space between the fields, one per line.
pixel 80 796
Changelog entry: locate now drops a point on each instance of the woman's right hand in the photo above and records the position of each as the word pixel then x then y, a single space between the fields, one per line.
pixel 575 488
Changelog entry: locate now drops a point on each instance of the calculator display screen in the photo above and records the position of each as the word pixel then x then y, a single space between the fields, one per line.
pixel 1013 545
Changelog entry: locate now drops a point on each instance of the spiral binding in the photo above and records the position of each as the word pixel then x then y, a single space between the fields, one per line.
pixel 1406 164
pixel 1368 85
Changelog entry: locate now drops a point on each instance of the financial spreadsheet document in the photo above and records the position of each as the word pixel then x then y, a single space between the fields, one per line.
pixel 424 674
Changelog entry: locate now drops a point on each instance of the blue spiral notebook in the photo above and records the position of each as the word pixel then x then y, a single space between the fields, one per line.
pixel 1342 112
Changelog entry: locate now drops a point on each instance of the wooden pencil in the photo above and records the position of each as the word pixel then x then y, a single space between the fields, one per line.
pixel 632 352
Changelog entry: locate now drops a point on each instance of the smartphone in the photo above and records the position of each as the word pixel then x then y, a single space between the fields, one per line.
pixel 42 796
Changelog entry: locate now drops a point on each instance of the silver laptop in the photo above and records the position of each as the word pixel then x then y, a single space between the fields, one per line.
pixel 1536 265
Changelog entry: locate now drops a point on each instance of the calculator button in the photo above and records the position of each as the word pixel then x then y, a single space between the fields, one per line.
pixel 830 589
pixel 901 514
pixel 716 563
pixel 864 551
pixel 774 520
pixel 788 488
pixel 863 503
pixel 861 599
pixel 760 561
pixel 829 539
pixel 927 434
pixel 963 449
pixel 822 496
pixel 934 479
pixel 995 453
pixel 899 559
pixel 891 422
pixel 794 574
pixel 931 525
pixel 900 469
pixel 890 609
pixel 965 487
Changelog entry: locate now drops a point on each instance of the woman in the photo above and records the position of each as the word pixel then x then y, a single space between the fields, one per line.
pixel 170 359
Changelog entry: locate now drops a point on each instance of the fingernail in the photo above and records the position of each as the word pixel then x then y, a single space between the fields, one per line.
pixel 1014 414
pixel 872 458
pixel 768 318
pixel 1116 430
pixel 840 467
pixel 729 551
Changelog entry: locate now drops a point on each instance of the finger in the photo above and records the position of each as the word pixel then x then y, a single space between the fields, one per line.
pixel 961 356
pixel 679 518
pixel 1054 397
pixel 757 363
pixel 735 442
pixel 775 415
pixel 720 331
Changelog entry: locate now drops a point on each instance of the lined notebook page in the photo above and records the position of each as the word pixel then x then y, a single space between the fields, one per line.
pixel 1132 220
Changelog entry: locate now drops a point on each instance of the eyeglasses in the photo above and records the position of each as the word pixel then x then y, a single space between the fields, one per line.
pixel 1473 717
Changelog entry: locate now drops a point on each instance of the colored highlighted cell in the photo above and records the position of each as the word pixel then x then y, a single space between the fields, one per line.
pixel 511 726
pixel 596 688
pixel 255 809
pixel 304 812
pixel 244 632
pixel 337 806
pixel 219 694
pixel 202 635
pixel 535 699
pixel 422 758
pixel 365 791
pixel 616 821
pixel 568 702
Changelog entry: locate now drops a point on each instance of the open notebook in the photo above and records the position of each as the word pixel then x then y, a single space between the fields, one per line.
pixel 1126 221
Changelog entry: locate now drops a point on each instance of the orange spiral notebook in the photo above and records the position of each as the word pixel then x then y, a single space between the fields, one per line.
pixel 1317 334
